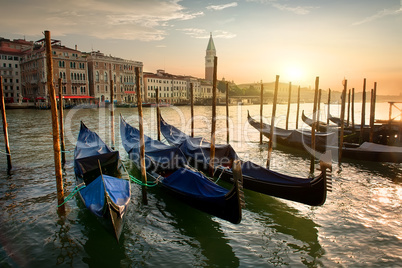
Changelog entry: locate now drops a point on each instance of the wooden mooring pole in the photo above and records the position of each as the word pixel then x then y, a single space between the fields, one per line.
pixel 372 111
pixel 5 126
pixel 112 112
pixel 142 142
pixel 318 108
pixel 158 114
pixel 363 119
pixel 345 85
pixel 192 108
pixel 313 127
pixel 348 115
pixel 353 110
pixel 261 107
pixel 271 134
pixel 288 111
pixel 298 108
pixel 61 121
pixel 227 113
pixel 55 123
pixel 329 106
pixel 213 127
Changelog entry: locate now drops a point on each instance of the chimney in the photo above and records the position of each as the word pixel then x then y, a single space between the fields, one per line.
pixel 75 47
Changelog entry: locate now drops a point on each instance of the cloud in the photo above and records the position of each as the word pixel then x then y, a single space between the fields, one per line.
pixel 220 7
pixel 145 20
pixel 203 34
pixel 379 15
pixel 299 10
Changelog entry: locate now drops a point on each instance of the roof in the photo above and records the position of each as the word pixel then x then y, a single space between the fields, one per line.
pixel 211 45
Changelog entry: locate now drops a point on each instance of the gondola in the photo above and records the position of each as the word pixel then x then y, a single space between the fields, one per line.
pixel 322 127
pixel 168 166
pixel 102 179
pixel 310 191
pixel 296 138
pixel 367 151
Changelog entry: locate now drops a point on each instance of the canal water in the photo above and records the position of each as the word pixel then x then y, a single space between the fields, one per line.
pixel 358 226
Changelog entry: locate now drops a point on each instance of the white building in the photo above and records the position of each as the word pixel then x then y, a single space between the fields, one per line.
pixel 11 53
pixel 173 89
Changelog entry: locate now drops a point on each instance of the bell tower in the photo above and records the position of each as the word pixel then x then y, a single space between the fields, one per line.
pixel 209 59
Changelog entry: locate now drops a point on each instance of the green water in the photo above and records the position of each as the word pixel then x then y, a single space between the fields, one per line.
pixel 358 226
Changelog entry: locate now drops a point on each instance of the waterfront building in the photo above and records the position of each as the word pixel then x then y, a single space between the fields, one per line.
pixel 68 64
pixel 11 53
pixel 173 89
pixel 209 59
pixel 103 68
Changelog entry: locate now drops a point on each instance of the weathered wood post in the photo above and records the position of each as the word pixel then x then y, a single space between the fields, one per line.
pixel 55 123
pixel 288 111
pixel 372 111
pixel 353 110
pixel 318 108
pixel 329 106
pixel 112 111
pixel 348 115
pixel 158 114
pixel 261 107
pixel 227 112
pixel 345 84
pixel 212 154
pixel 61 120
pixel 5 126
pixel 363 119
pixel 298 108
pixel 142 142
pixel 271 134
pixel 192 108
pixel 313 127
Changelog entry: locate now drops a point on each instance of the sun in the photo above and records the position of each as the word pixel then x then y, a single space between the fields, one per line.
pixel 293 73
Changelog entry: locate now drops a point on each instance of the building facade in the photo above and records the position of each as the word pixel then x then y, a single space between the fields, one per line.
pixel 104 68
pixel 68 64
pixel 173 89
pixel 11 53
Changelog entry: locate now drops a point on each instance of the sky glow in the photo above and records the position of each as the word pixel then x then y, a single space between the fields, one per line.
pixel 255 39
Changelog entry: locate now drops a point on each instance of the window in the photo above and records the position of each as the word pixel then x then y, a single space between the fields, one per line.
pixel 97 76
pixel 105 76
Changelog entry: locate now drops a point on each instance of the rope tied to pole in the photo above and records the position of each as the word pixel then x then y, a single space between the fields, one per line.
pixel 76 189
pixel 223 170
pixel 148 184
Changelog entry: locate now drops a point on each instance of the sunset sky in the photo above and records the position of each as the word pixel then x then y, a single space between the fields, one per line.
pixel 255 39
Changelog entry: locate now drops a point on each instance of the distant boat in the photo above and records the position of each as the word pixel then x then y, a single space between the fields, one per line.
pixel 295 138
pixel 102 179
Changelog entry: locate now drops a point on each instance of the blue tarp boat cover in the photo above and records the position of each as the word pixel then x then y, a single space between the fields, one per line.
pixel 263 174
pixel 89 149
pixel 194 184
pixel 197 148
pixel 158 153
pixel 94 193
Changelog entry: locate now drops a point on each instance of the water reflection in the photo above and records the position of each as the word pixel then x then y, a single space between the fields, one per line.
pixel 284 231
